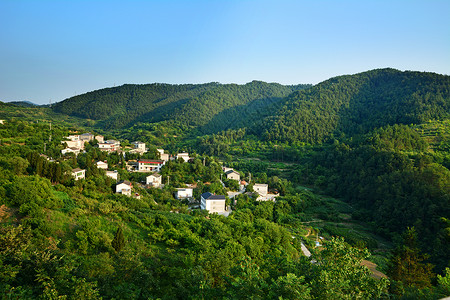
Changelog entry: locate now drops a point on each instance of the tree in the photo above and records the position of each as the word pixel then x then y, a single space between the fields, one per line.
pixel 119 241
pixel 444 283
pixel 338 273
pixel 406 265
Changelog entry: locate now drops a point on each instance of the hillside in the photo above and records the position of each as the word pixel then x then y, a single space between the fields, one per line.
pixel 80 239
pixel 358 103
pixel 211 106
pixel 389 187
pixel 344 105
pixel 24 103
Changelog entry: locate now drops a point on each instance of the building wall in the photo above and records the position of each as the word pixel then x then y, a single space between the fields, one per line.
pixel 102 165
pixel 123 188
pixel 234 176
pixel 186 193
pixel 213 205
pixel 79 175
pixel 260 189
pixel 216 206
pixel 149 167
pixel 164 156
pixel 112 174
pixel 75 144
pixel 154 180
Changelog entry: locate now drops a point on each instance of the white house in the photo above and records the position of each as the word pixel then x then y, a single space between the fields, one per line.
pixel 73 138
pixel 113 174
pixel 212 203
pixel 124 188
pixel 149 165
pixel 163 156
pixel 102 165
pixel 182 193
pixel 70 150
pixel 232 174
pixel 155 180
pixel 261 188
pixel 74 144
pixel 109 146
pixel 184 156
pixel 79 173
pixel 139 146
pixel 226 169
pixel 99 138
pixel 86 137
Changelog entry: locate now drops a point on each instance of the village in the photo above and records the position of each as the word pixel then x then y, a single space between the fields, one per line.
pixel 209 201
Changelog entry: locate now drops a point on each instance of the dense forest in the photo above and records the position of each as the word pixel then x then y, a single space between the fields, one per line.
pixel 392 180
pixel 353 104
pixel 361 161
pixel 212 106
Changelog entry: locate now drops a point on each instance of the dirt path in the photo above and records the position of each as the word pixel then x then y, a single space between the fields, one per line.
pixel 372 267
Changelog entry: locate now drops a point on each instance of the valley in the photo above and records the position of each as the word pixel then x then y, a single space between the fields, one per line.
pixel 359 164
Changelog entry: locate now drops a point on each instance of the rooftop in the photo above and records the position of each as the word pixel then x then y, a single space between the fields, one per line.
pixel 150 161
pixel 125 182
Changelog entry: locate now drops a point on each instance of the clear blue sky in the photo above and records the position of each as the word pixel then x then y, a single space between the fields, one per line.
pixel 52 50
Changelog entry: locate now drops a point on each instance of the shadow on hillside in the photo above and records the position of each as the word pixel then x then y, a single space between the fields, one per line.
pixel 385 100
pixel 245 115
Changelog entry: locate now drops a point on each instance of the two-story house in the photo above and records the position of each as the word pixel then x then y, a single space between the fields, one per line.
pixel 232 174
pixel 76 151
pixel 261 188
pixel 212 203
pixel 154 180
pixel 149 165
pixel 184 156
pixel 79 173
pixel 102 165
pixel 182 193
pixel 109 146
pixel 163 156
pixel 113 174
pixel 139 147
pixel 124 187
pixel 87 137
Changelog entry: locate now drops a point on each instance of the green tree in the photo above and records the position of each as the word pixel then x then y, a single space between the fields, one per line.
pixel 338 273
pixel 444 283
pixel 119 241
pixel 406 265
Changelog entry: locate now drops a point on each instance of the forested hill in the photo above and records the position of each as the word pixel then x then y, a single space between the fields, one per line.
pixel 212 106
pixel 359 103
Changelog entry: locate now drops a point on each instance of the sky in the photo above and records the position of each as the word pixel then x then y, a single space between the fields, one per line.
pixel 53 50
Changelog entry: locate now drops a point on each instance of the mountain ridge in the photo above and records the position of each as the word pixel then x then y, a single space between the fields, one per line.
pixel 342 105
pixel 353 104
pixel 125 105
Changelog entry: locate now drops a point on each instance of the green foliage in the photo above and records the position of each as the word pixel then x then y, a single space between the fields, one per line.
pixel 26 190
pixel 407 265
pixel 395 185
pixel 55 233
pixel 119 241
pixel 444 283
pixel 216 107
pixel 359 103
pixel 338 274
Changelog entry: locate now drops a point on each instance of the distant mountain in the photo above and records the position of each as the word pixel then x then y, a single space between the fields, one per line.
pixel 358 103
pixel 344 105
pixel 208 107
pixel 24 103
